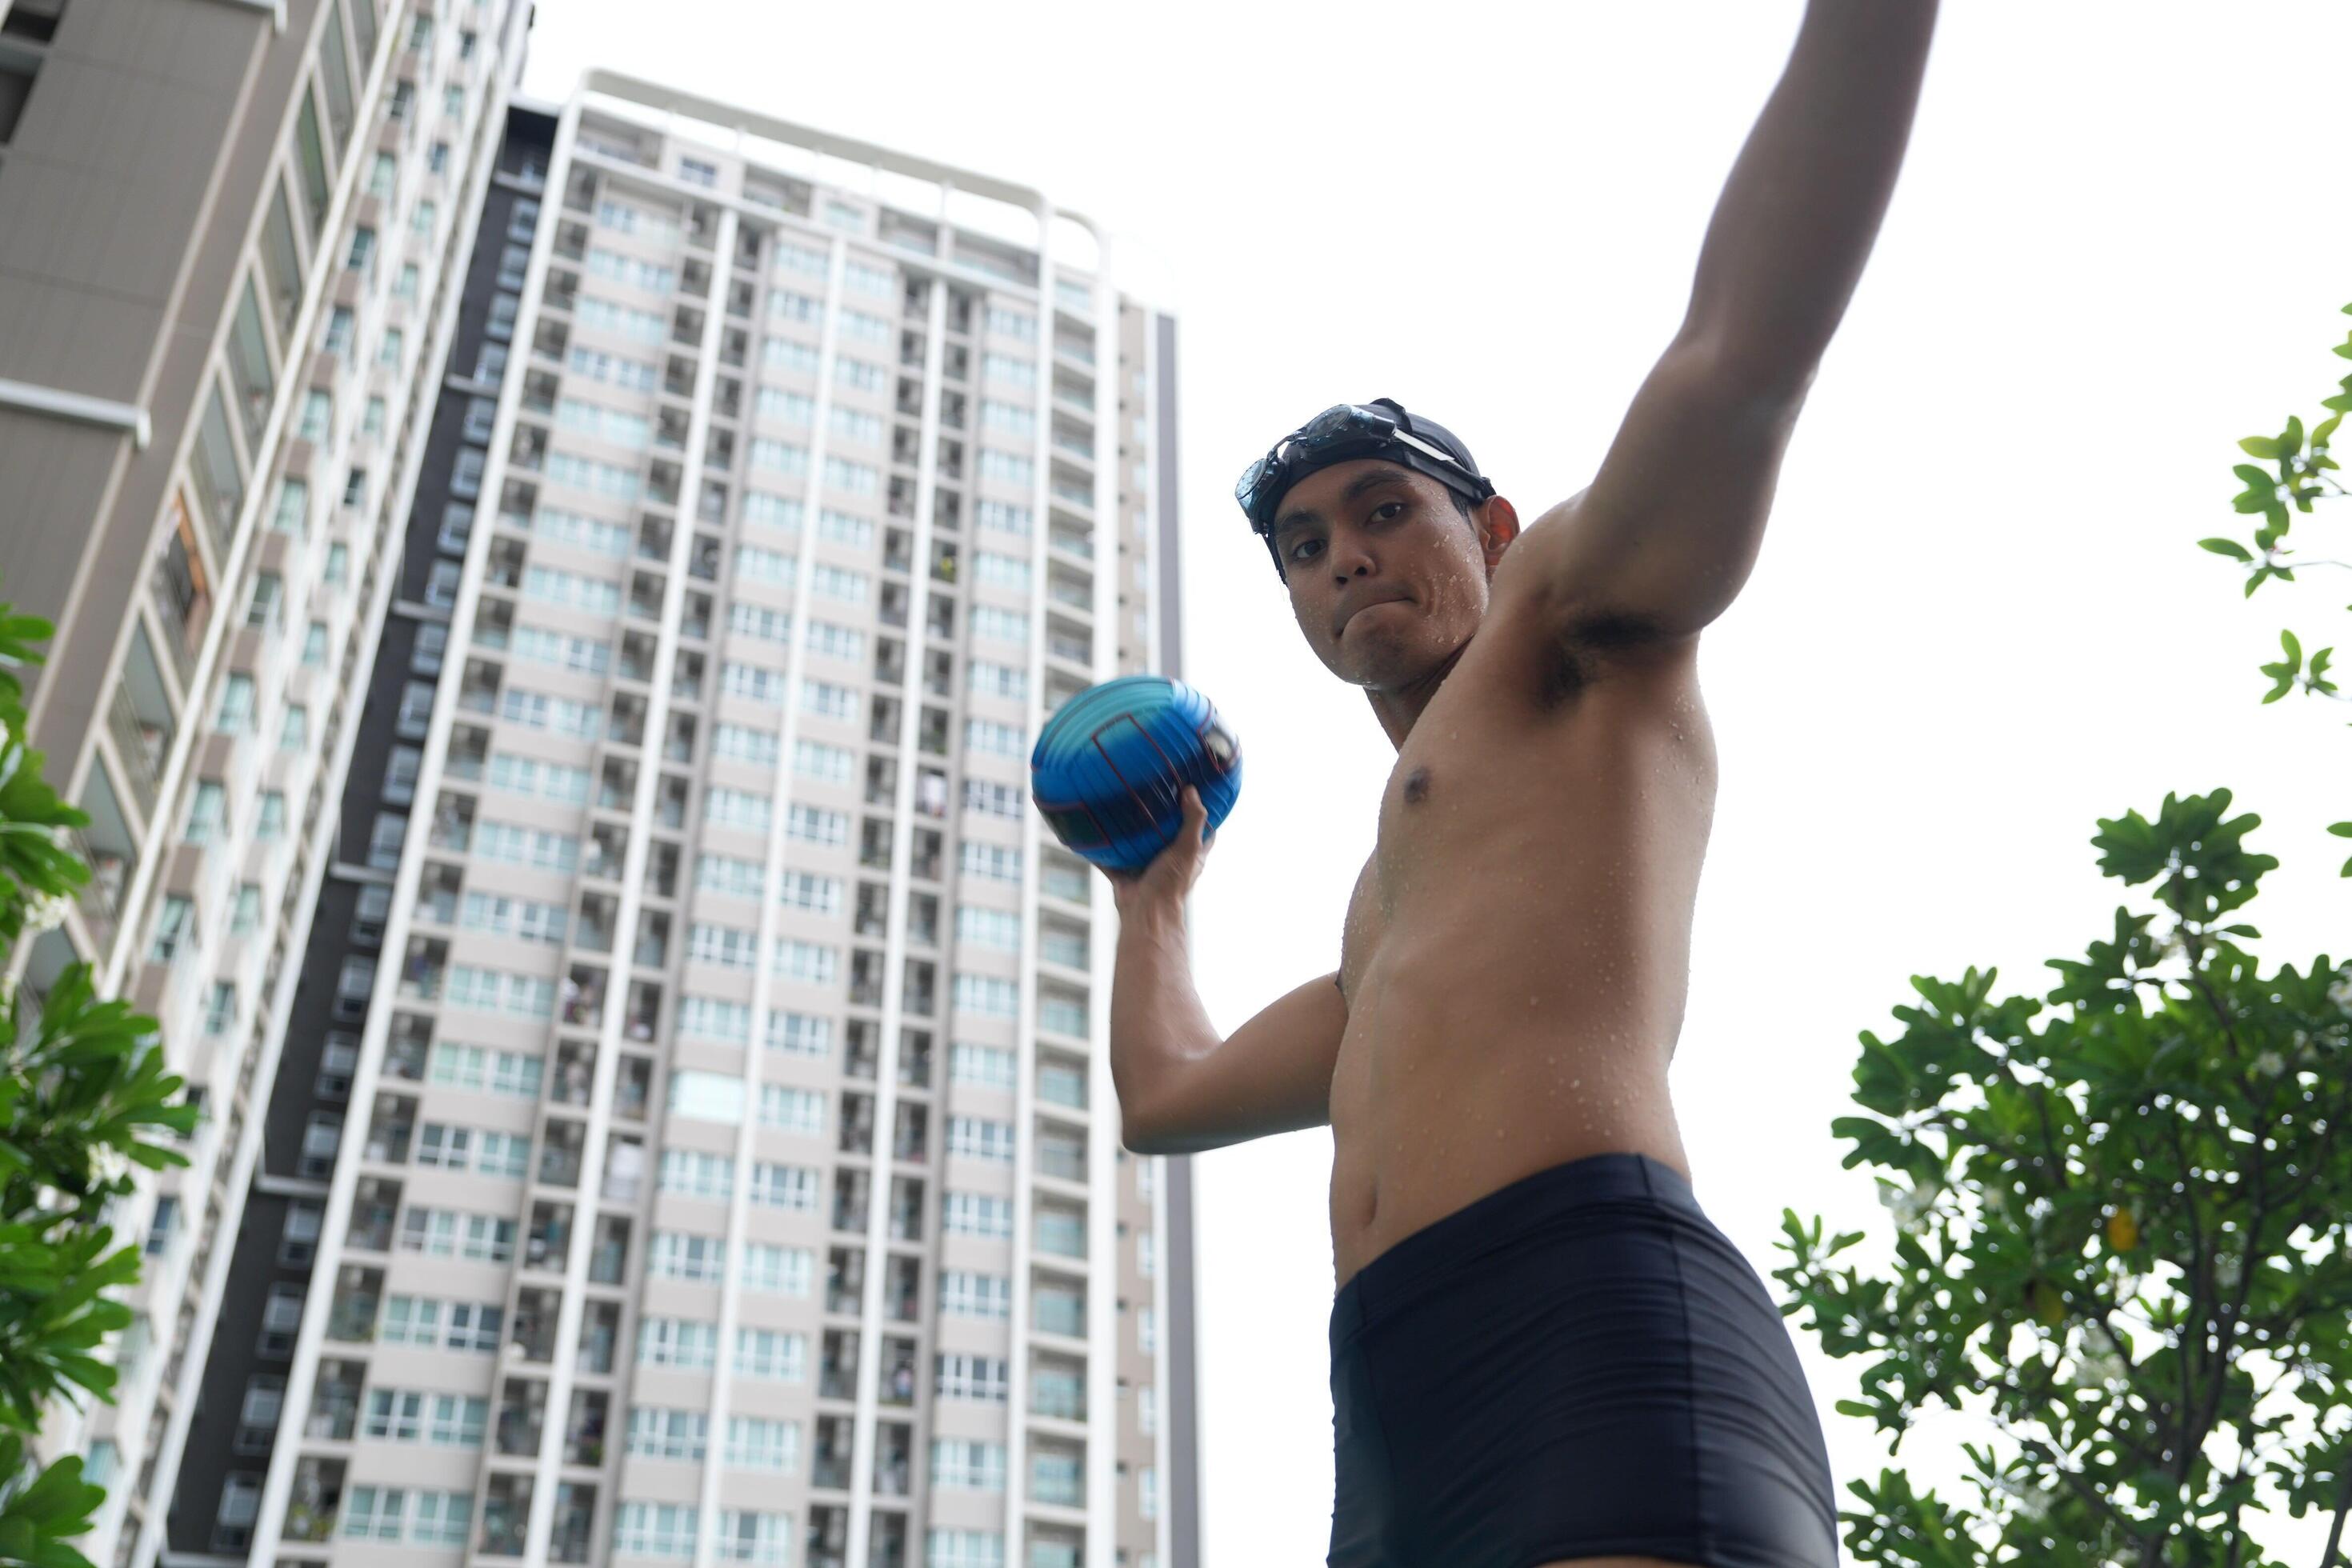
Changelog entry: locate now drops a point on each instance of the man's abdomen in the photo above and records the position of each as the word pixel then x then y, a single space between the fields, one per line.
pixel 1475 1056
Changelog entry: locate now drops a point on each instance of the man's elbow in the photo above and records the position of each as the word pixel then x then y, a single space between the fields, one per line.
pixel 1138 1137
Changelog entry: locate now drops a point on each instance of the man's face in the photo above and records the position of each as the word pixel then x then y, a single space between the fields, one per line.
pixel 1387 580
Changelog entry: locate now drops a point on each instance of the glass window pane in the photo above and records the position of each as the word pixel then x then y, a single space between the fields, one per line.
pixel 281 263
pixel 364 28
pixel 248 364
pixel 312 155
pixel 335 64
pixel 219 483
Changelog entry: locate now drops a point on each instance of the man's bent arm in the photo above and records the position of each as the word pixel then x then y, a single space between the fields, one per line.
pixel 1666 533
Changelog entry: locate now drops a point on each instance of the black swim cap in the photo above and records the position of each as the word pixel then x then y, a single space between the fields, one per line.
pixel 1345 433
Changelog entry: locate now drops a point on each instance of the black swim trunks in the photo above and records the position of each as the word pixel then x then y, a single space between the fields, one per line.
pixel 1579 1365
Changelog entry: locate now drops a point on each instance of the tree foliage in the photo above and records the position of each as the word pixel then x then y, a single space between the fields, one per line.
pixel 82 1088
pixel 2120 1208
pixel 2120 1213
pixel 2301 473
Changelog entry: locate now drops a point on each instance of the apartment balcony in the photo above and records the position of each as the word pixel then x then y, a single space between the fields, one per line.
pixel 532 1334
pixel 1062 1086
pixel 1055 1311
pixel 905 1210
pixel 374 1208
pixel 1059 1396
pixel 1057 1484
pixel 316 1499
pixel 520 1426
pixel 837 1375
pixel 358 1295
pixel 1060 1234
pixel 899 1374
pixel 575 1515
pixel 610 1256
pixel 506 1513
pixel 1071 592
pixel 549 1238
pixel 583 1435
pixel 1062 1159
pixel 335 1401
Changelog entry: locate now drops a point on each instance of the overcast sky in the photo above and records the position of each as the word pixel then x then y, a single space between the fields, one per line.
pixel 1980 621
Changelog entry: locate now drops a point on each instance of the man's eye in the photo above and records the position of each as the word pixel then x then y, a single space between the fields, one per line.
pixel 1397 505
pixel 1301 546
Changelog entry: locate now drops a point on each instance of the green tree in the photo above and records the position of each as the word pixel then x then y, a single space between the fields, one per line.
pixel 2120 1209
pixel 82 1085
pixel 2120 1214
pixel 2300 474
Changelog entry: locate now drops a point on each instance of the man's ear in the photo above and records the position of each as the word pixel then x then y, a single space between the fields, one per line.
pixel 1498 524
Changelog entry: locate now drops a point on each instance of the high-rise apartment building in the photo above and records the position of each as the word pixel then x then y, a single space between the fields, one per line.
pixel 694 1138
pixel 229 232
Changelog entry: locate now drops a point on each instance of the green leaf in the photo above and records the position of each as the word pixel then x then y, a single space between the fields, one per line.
pixel 2229 547
pixel 2261 447
pixel 2341 829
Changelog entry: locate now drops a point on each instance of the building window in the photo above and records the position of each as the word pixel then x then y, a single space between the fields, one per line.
pixel 296 733
pixel 441 584
pixel 299 1244
pixel 415 714
pixel 353 984
pixel 311 156
pixel 432 642
pixel 338 1063
pixel 314 645
pixel 208 813
pixel 466 477
pixel 212 465
pixel 246 914
pixel 321 1137
pixel 172 928
pixel 400 773
pixel 282 1319
pixel 257 1417
pixel 271 825
pixel 241 1504
pixel 457 527
pixel 370 913
pixel 281 261
pixel 385 840
pixel 248 364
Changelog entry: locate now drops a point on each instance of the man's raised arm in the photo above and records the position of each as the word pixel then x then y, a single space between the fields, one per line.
pixel 1664 536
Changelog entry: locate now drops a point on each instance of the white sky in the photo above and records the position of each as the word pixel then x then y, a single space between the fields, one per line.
pixel 1980 621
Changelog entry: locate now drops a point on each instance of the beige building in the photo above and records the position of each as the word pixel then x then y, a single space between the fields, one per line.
pixel 229 233
pixel 733 1097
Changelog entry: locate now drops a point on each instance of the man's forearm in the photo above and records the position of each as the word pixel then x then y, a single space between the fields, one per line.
pixel 1157 1021
pixel 1802 208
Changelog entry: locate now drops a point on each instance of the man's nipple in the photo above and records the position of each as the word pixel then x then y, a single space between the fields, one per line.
pixel 1416 787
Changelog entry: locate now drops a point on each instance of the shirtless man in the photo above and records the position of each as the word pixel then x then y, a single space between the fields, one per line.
pixel 1543 1352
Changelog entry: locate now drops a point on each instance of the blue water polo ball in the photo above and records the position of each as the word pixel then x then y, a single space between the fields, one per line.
pixel 1109 769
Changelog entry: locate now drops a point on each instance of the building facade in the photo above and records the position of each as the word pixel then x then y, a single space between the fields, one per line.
pixel 693 1138
pixel 229 239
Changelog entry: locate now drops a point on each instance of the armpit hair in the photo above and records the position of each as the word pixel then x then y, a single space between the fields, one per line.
pixel 1584 646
